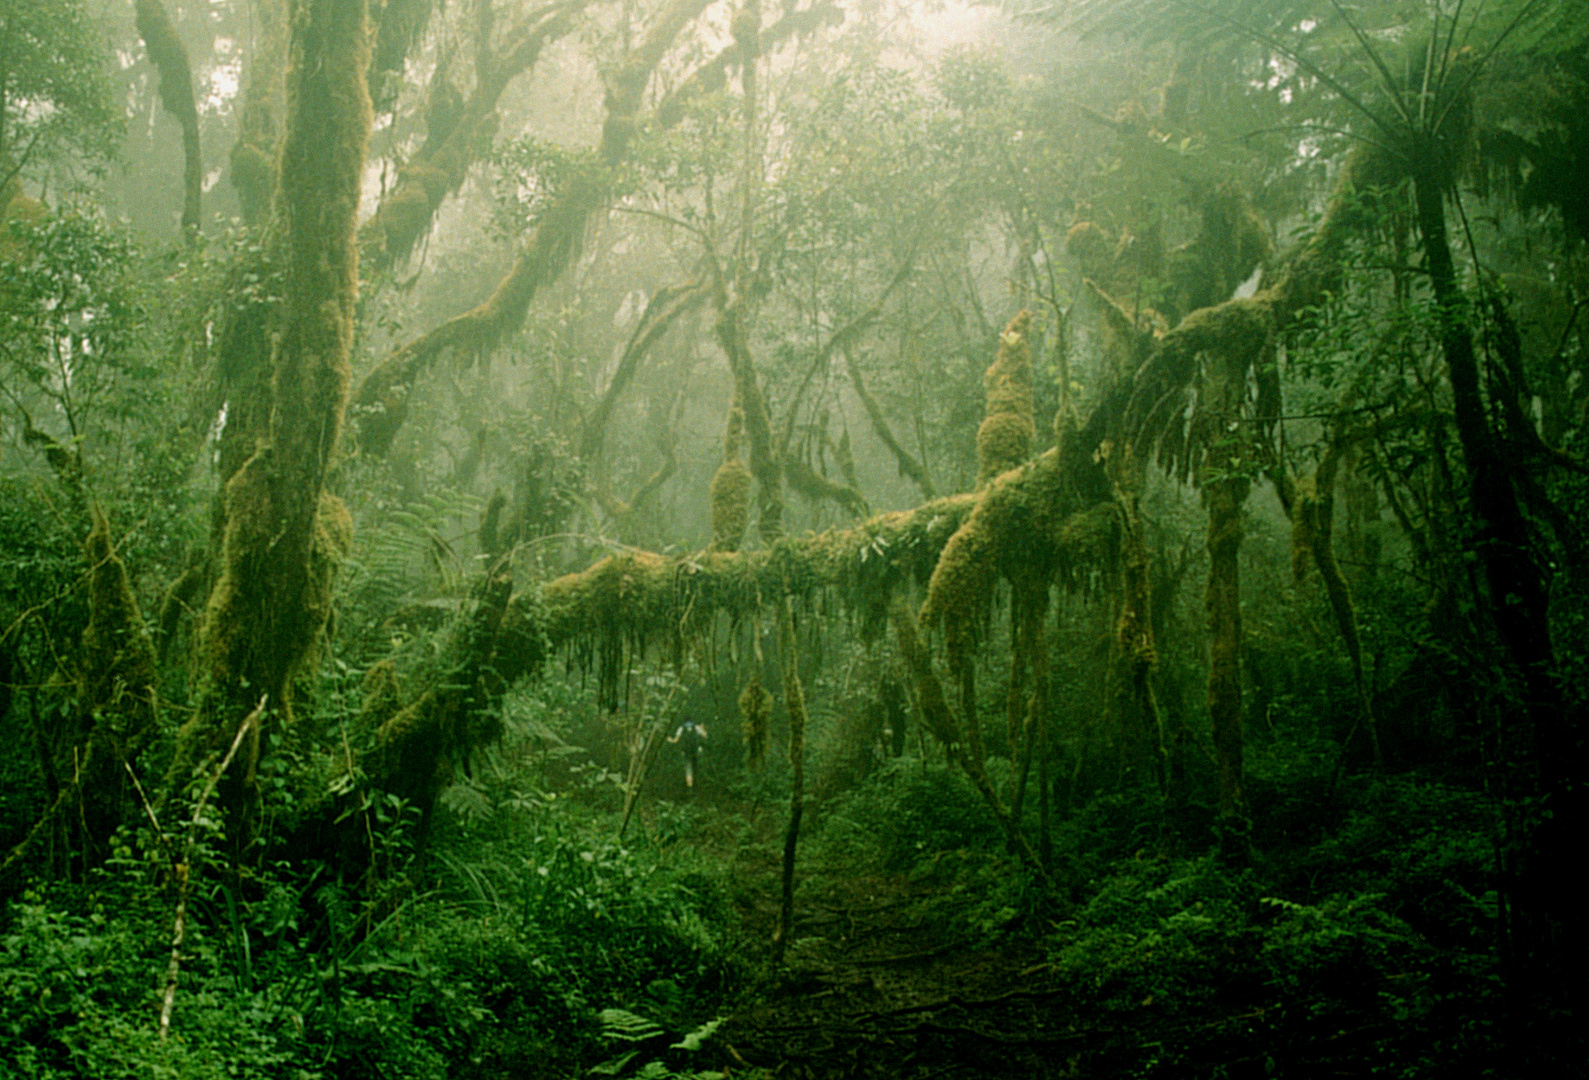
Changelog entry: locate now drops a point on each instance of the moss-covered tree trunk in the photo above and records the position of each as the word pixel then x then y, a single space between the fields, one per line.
pixel 284 535
pixel 1225 487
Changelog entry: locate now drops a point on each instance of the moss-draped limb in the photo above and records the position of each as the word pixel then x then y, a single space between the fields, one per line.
pixel 176 95
pixel 635 598
pixel 382 401
pixel 1049 520
pixel 284 537
pixel 253 158
pixel 457 140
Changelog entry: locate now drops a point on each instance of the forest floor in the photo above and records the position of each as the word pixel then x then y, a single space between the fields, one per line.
pixel 887 974
pixel 918 956
pixel 880 981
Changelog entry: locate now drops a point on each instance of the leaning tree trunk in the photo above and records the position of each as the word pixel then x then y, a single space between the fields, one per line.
pixel 176 95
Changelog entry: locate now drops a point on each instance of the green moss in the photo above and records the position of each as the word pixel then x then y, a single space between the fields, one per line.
pixel 1005 438
pixel 755 712
pixel 730 501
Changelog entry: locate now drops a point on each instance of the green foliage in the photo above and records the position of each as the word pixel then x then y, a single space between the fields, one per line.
pixel 67 313
pixel 1382 930
pixel 55 97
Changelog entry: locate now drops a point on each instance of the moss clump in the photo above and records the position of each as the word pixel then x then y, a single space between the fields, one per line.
pixel 730 498
pixel 1005 438
pixel 755 712
pixel 1032 525
pixel 383 697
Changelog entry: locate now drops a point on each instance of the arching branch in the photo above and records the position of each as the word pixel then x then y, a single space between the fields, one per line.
pixel 381 403
pixel 458 137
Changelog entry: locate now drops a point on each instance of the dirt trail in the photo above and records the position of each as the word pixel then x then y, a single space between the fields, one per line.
pixel 885 980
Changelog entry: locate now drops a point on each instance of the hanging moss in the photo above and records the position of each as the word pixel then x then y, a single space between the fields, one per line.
pixel 1005 438
pixel 634 598
pixel 1035 524
pixel 1231 243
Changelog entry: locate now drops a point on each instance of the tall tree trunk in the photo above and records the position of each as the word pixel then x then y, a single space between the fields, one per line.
pixel 1517 597
pixel 1517 603
pixel 1226 494
pixel 284 536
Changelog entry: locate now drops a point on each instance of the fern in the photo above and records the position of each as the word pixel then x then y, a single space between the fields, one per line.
pixel 620 1025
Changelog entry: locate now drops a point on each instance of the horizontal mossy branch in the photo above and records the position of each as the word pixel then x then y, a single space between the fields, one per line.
pixel 635 598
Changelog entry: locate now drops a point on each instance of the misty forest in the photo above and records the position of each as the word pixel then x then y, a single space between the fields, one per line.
pixel 792 538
